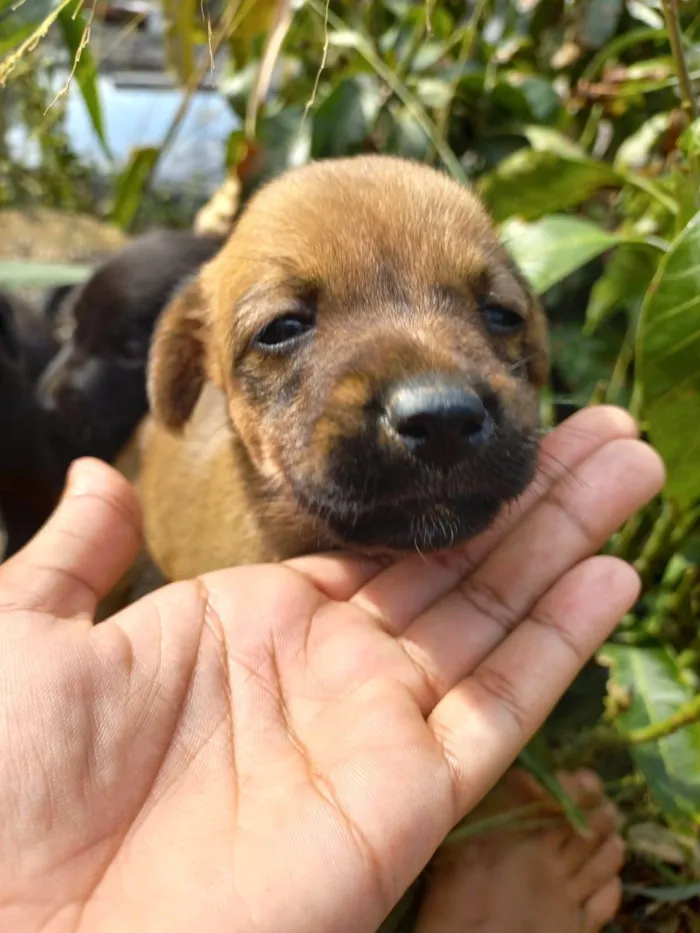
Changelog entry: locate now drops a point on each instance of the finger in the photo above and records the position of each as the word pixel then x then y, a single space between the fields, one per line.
pixel 406 589
pixel 82 551
pixel 570 524
pixel 486 720
pixel 338 576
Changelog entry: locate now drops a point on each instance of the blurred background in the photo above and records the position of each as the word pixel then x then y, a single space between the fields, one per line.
pixel 577 123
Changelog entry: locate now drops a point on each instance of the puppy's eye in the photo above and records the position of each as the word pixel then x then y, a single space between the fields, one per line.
pixel 284 332
pixel 501 321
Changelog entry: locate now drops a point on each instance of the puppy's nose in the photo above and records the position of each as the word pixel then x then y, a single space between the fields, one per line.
pixel 438 423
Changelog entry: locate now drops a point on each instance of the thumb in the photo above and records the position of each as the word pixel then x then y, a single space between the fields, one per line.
pixel 84 548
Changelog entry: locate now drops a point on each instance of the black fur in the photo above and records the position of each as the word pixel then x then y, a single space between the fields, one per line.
pixel 30 475
pixel 95 388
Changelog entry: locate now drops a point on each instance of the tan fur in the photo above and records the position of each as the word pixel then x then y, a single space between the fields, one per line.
pixel 387 242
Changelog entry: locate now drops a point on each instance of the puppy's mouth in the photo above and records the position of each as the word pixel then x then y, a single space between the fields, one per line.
pixel 429 514
pixel 411 524
pixel 373 497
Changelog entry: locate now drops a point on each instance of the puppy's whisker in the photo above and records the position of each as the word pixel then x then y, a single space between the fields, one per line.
pixel 567 473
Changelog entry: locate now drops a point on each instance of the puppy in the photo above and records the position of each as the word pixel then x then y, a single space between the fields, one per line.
pixel 95 388
pixel 359 367
pixel 54 299
pixel 30 476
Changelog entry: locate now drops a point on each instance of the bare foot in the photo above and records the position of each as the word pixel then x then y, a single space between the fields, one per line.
pixel 546 880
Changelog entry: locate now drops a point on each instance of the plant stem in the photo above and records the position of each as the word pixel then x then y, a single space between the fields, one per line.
pixel 675 38
pixel 467 43
pixel 623 362
pixel 655 552
pixel 602 737
pixel 685 715
pixel 529 816
pixel 628 534
pixel 232 16
pixel 365 48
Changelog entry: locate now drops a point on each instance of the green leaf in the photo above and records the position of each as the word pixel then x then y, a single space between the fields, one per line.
pixel 530 183
pixel 668 357
pixel 653 683
pixel 12 34
pixel 665 895
pixel 73 29
pixel 26 274
pixel 433 93
pixel 527 98
pixel 346 118
pixel 179 37
pixel 546 139
pixel 18 21
pixel 643 13
pixel 550 249
pixel 285 142
pixel 131 184
pixel 634 151
pixel 406 136
pixel 544 103
pixel 584 360
pixel 534 759
pixel 599 21
pixel 690 139
pixel 623 284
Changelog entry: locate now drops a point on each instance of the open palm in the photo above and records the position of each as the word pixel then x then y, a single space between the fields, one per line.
pixel 283 747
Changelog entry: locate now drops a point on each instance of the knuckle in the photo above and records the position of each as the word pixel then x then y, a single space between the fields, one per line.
pixel 484 599
pixel 500 689
pixel 562 634
pixel 557 499
pixel 430 680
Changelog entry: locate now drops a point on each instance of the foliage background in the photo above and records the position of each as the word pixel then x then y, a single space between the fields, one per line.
pixel 577 122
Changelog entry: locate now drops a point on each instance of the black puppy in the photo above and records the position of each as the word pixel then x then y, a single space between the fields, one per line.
pixel 95 388
pixel 54 300
pixel 30 476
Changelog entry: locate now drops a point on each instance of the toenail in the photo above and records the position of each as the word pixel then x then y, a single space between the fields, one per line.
pixel 602 907
pixel 589 782
pixel 620 850
pixel 610 814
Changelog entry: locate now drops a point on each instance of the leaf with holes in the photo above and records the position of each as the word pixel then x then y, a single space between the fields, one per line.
pixel 669 363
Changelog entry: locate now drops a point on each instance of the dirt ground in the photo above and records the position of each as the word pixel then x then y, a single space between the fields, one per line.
pixel 45 235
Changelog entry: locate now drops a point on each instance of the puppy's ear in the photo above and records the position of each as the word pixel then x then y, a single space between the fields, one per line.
pixel 177 359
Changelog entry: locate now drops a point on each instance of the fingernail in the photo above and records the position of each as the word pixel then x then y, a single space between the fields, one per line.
pixel 79 478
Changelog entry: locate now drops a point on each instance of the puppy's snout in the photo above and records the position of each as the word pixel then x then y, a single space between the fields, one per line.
pixel 439 423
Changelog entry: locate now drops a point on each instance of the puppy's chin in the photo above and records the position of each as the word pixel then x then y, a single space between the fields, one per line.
pixel 414 526
pixel 396 504
pixel 409 524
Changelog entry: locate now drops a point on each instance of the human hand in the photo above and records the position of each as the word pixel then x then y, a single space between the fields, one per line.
pixel 284 747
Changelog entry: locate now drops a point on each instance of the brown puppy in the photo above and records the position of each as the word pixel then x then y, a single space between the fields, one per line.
pixel 357 368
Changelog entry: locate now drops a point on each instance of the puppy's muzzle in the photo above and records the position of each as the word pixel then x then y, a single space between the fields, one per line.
pixel 438 422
